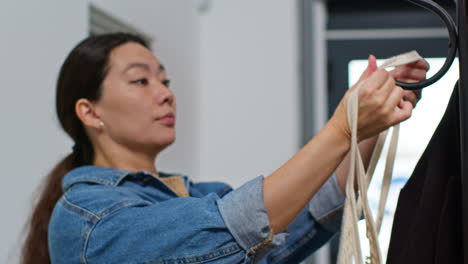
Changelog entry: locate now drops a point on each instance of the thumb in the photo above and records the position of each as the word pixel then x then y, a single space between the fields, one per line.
pixel 371 67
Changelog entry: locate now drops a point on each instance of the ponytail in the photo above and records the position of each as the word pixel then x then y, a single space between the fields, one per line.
pixel 35 249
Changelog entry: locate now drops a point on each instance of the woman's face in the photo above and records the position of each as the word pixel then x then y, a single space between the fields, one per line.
pixel 137 107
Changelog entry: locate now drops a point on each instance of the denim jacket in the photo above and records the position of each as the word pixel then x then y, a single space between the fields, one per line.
pixel 114 216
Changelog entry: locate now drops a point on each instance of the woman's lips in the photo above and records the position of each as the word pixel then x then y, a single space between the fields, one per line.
pixel 168 119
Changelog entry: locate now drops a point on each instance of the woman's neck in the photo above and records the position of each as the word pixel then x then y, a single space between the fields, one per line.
pixel 125 159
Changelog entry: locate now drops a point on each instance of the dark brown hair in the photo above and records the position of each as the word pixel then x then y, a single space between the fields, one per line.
pixel 81 76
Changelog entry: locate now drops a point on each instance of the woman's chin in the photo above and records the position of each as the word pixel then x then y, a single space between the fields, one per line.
pixel 170 142
pixel 158 143
pixel 165 142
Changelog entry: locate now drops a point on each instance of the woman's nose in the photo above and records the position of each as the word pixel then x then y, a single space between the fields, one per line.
pixel 165 95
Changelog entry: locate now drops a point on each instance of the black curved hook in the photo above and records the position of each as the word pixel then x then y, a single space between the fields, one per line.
pixel 453 44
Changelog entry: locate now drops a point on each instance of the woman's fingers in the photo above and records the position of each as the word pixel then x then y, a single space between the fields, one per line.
pixel 379 86
pixel 371 68
pixel 412 96
pixel 381 103
pixel 405 73
pixel 413 71
pixel 402 113
pixel 421 64
pixel 380 99
pixel 394 100
pixel 376 81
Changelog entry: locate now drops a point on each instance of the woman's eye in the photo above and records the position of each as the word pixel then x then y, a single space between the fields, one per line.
pixel 166 83
pixel 143 81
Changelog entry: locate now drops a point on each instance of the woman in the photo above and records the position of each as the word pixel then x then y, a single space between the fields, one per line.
pixel 111 205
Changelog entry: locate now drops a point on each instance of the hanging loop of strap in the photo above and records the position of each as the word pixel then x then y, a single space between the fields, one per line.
pixel 350 246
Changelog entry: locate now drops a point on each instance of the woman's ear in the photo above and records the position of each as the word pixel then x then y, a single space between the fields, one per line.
pixel 86 112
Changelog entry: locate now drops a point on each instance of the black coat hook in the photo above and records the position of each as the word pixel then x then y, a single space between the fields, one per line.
pixel 453 44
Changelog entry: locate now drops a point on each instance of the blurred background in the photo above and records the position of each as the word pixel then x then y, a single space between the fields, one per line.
pixel 254 81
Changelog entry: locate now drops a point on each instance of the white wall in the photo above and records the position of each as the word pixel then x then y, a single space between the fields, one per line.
pixel 249 105
pixel 234 72
pixel 34 41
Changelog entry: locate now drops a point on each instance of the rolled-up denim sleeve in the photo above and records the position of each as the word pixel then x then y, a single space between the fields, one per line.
pixel 246 217
pixel 313 227
pixel 326 207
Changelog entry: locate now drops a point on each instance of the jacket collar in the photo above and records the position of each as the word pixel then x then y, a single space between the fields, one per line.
pixel 95 174
pixel 107 176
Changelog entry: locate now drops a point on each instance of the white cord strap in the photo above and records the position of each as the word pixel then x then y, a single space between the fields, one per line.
pixel 350 247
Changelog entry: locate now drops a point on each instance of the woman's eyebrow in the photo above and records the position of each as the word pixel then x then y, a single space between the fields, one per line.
pixel 144 66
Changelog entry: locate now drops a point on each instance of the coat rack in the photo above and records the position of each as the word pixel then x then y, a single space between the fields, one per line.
pixel 462 18
pixel 458 35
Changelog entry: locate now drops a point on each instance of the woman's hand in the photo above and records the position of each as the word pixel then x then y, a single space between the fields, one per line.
pixel 381 104
pixel 413 72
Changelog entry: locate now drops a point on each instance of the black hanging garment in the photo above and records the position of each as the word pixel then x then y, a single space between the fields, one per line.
pixel 427 227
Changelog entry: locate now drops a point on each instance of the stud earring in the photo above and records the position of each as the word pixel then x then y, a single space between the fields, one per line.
pixel 101 124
